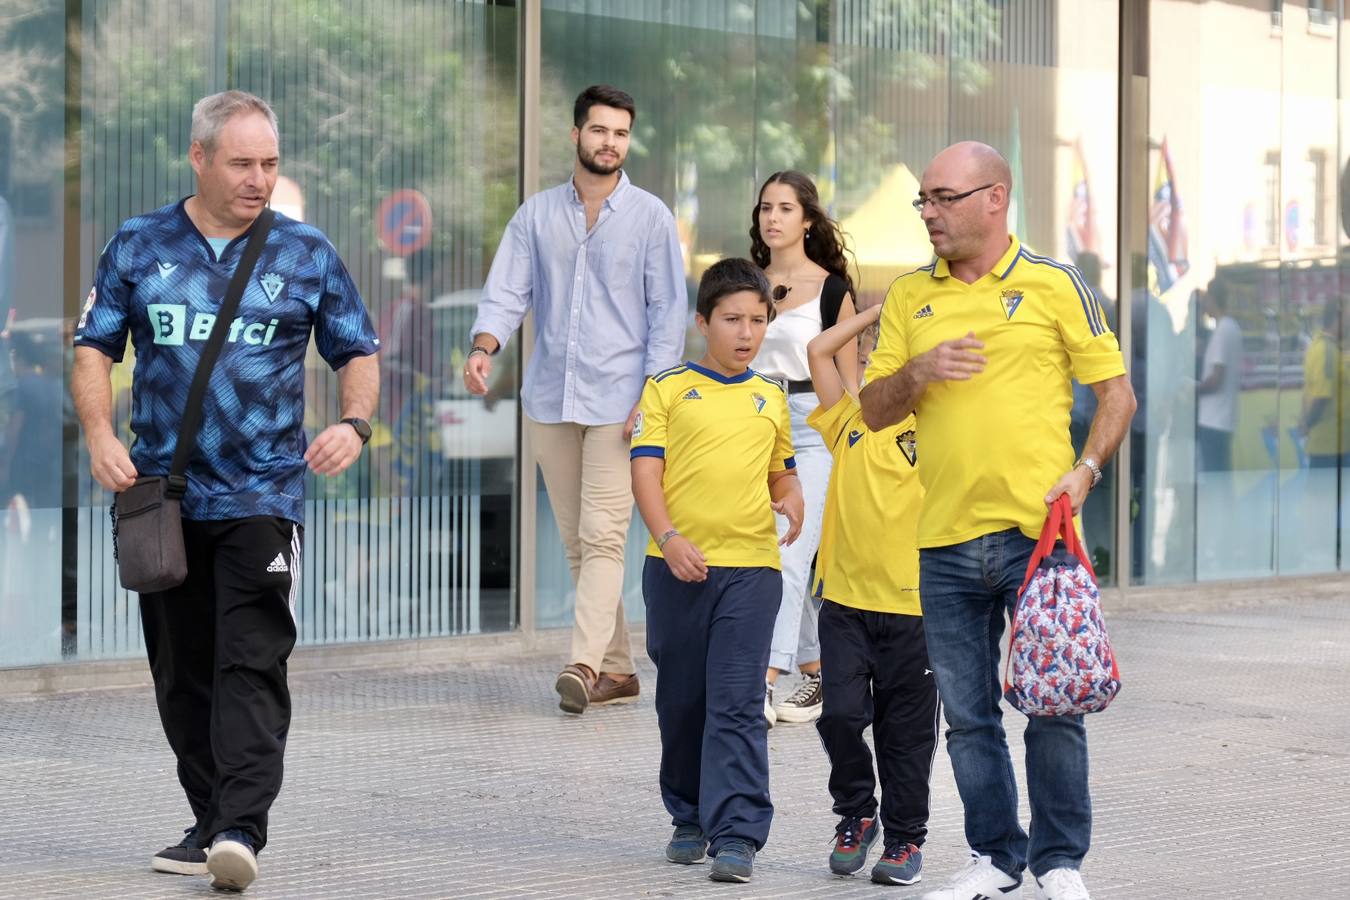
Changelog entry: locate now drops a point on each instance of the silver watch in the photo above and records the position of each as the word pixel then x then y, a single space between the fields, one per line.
pixel 1093 467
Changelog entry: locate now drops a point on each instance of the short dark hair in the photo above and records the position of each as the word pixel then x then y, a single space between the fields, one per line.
pixel 731 276
pixel 1217 291
pixel 602 95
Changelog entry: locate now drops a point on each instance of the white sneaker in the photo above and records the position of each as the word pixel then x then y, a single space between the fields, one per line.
pixel 979 880
pixel 769 713
pixel 1061 884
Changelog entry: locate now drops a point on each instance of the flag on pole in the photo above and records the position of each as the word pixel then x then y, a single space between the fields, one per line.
pixel 686 208
pixel 1017 212
pixel 1080 230
pixel 1167 243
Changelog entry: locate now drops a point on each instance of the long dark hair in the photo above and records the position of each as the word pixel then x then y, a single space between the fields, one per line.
pixel 824 243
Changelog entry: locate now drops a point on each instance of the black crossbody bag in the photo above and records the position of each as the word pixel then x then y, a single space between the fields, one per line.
pixel 147 517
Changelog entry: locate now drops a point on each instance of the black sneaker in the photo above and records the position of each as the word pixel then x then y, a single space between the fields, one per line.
pixel 734 862
pixel 805 703
pixel 183 858
pixel 231 862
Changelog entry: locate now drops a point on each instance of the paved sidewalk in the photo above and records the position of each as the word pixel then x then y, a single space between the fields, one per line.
pixel 1222 771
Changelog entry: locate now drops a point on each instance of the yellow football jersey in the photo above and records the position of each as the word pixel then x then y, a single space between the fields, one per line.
pixel 996 443
pixel 720 437
pixel 869 555
pixel 1324 378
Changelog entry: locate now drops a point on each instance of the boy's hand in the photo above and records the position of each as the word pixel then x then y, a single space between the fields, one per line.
pixel 686 561
pixel 792 508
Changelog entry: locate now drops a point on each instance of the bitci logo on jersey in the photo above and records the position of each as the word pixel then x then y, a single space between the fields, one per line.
pixel 168 323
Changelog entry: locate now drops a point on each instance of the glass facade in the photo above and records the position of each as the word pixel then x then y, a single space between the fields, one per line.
pixel 403 128
pixel 1237 316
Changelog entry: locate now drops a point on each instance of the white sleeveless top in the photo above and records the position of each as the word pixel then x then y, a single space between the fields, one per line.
pixel 783 353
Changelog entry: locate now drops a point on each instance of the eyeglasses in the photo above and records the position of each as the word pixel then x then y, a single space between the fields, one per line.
pixel 946 200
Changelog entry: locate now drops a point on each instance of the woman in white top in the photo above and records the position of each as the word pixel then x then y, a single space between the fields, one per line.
pixel 802 252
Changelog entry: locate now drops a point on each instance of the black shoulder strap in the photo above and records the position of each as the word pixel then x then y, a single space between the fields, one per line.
pixel 192 413
pixel 831 299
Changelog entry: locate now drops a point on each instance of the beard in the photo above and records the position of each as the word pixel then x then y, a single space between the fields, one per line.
pixel 588 162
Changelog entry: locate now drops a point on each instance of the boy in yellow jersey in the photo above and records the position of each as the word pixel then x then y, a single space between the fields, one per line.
pixel 712 463
pixel 873 658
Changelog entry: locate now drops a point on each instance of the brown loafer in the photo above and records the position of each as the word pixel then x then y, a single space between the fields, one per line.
pixel 607 690
pixel 574 687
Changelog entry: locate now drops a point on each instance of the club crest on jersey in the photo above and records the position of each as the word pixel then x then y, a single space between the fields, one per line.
pixel 909 445
pixel 854 436
pixel 693 395
pixel 272 283
pixel 759 401
pixel 1012 299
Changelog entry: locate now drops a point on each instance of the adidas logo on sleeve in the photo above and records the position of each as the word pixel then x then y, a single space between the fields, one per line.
pixel 925 313
pixel 278 564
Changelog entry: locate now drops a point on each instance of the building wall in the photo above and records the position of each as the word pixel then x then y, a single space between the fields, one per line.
pixel 420 538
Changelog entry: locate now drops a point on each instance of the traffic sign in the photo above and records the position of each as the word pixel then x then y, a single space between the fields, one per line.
pixel 404 221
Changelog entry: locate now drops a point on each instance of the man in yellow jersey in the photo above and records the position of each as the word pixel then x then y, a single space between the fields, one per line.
pixel 712 462
pixel 981 346
pixel 1324 377
pixel 876 668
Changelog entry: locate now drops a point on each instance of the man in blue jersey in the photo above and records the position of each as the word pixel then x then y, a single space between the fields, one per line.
pixel 218 644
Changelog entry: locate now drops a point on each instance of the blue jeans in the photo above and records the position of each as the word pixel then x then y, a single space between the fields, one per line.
pixel 966 589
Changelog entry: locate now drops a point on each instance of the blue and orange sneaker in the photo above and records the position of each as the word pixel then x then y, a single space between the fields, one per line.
pixel 853 838
pixel 900 863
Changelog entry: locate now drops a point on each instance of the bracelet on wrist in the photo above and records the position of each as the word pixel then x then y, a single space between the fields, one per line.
pixel 477 349
pixel 665 539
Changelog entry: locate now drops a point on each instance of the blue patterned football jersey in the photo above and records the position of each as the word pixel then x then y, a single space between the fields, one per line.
pixel 159 281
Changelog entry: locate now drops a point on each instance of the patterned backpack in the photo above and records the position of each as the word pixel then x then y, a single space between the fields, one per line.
pixel 1060 661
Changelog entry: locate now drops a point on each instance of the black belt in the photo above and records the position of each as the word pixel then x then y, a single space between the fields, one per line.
pixel 800 387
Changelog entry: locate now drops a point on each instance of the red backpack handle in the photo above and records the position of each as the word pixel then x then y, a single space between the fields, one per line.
pixel 1058 527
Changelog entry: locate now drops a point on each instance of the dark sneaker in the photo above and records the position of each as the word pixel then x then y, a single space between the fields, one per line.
pixel 901 863
pixel 734 862
pixel 687 845
pixel 183 858
pixel 574 689
pixel 231 862
pixel 607 691
pixel 853 838
pixel 805 703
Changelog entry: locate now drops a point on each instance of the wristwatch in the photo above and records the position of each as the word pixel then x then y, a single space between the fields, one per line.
pixel 1093 467
pixel 361 427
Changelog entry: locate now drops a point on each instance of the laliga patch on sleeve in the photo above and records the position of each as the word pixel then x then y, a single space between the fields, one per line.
pixel 88 305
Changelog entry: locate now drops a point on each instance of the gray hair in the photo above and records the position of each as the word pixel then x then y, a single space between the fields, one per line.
pixel 211 113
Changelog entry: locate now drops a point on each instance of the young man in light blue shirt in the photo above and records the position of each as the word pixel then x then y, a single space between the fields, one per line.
pixel 598 262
